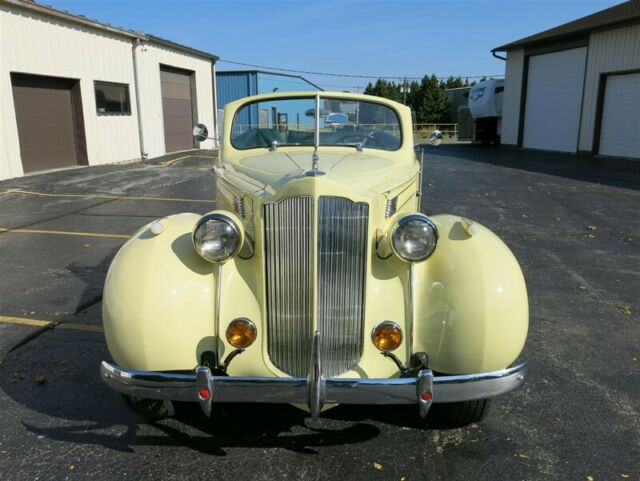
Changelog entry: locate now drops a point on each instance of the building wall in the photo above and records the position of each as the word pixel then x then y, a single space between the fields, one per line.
pixel 610 51
pixel 35 44
pixel 512 96
pixel 235 85
pixel 150 57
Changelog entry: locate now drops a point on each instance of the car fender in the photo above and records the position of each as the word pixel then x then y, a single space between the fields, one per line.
pixel 157 305
pixel 470 303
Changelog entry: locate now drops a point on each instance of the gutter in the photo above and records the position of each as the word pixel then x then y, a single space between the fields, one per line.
pixel 493 52
pixel 134 48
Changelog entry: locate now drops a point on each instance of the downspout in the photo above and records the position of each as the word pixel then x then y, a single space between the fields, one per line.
pixel 214 85
pixel 136 44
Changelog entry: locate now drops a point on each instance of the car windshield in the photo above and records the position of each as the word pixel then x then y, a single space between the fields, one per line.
pixel 292 121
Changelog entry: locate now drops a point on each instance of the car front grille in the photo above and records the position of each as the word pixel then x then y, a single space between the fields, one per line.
pixel 290 281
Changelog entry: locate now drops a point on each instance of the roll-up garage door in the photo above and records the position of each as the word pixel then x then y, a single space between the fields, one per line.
pixel 49 119
pixel 177 109
pixel 620 128
pixel 553 100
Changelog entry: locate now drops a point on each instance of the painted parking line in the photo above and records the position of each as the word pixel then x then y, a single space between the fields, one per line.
pixel 74 326
pixel 4 230
pixel 173 161
pixel 103 196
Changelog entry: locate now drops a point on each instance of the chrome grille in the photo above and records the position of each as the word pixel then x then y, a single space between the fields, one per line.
pixel 289 282
pixel 342 255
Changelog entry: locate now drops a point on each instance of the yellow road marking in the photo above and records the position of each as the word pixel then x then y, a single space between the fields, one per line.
pixel 103 196
pixel 173 161
pixel 63 232
pixel 63 325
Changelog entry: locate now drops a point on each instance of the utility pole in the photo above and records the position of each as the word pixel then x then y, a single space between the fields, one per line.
pixel 404 89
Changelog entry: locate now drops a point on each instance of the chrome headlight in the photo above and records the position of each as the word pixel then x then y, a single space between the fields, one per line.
pixel 217 237
pixel 414 238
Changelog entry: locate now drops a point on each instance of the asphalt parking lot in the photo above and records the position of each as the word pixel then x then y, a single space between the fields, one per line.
pixel 576 235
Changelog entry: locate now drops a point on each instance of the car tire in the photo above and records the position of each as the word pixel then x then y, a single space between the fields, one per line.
pixel 151 409
pixel 458 414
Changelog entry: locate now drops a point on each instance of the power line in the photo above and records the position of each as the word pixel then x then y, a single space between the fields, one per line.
pixel 399 77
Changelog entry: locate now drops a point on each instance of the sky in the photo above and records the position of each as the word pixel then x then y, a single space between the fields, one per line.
pixel 390 38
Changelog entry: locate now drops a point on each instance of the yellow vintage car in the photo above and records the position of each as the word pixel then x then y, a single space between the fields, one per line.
pixel 317 281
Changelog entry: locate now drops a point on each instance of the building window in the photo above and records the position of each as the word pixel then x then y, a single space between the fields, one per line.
pixel 112 98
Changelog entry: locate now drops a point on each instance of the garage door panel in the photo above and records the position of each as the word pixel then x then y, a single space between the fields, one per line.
pixel 553 102
pixel 620 129
pixel 177 109
pixel 46 125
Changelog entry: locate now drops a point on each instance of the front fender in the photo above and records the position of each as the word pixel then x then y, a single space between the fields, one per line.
pixel 158 299
pixel 471 306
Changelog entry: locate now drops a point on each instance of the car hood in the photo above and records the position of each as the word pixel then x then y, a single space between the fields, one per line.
pixel 359 170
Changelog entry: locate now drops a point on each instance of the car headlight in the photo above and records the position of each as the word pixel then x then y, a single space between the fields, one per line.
pixel 217 237
pixel 414 238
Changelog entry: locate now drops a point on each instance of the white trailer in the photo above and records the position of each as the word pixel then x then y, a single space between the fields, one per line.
pixel 485 104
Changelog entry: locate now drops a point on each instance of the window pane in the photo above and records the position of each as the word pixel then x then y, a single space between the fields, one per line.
pixel 291 122
pixel 112 98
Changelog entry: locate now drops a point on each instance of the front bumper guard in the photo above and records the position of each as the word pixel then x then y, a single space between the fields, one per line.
pixel 314 390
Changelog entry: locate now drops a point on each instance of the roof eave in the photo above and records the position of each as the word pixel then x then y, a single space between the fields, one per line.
pixel 69 17
pixel 183 48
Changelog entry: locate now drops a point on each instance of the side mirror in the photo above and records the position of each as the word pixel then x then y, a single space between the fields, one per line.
pixel 435 138
pixel 200 132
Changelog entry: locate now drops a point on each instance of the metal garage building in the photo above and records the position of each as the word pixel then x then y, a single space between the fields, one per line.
pixel 576 87
pixel 78 92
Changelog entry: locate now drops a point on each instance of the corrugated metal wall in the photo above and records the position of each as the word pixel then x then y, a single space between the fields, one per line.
pixel 150 57
pixel 236 85
pixel 35 44
pixel 610 51
pixel 511 100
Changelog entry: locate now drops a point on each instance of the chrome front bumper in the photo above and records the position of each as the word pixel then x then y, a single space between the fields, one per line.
pixel 314 390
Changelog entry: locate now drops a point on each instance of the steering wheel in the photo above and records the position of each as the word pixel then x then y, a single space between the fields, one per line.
pixel 364 137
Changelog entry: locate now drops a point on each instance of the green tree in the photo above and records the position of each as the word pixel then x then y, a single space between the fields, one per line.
pixel 384 88
pixel 432 104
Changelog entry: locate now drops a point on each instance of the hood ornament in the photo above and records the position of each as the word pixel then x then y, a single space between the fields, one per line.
pixel 314 172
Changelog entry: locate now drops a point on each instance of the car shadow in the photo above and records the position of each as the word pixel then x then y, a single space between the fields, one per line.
pixel 608 171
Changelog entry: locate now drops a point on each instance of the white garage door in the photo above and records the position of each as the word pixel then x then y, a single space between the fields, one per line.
pixel 554 97
pixel 620 131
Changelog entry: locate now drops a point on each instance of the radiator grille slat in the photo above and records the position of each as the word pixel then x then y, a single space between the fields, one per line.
pixel 342 248
pixel 341 262
pixel 289 282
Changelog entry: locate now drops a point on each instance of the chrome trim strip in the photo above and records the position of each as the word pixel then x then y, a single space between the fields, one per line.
pixel 410 310
pixel 391 207
pixel 216 312
pixel 315 380
pixel 182 387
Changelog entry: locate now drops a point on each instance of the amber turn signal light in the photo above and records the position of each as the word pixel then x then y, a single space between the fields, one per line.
pixel 241 333
pixel 387 336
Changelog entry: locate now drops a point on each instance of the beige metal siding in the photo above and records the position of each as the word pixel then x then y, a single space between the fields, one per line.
pixel 610 51
pixel 150 57
pixel 35 44
pixel 511 99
